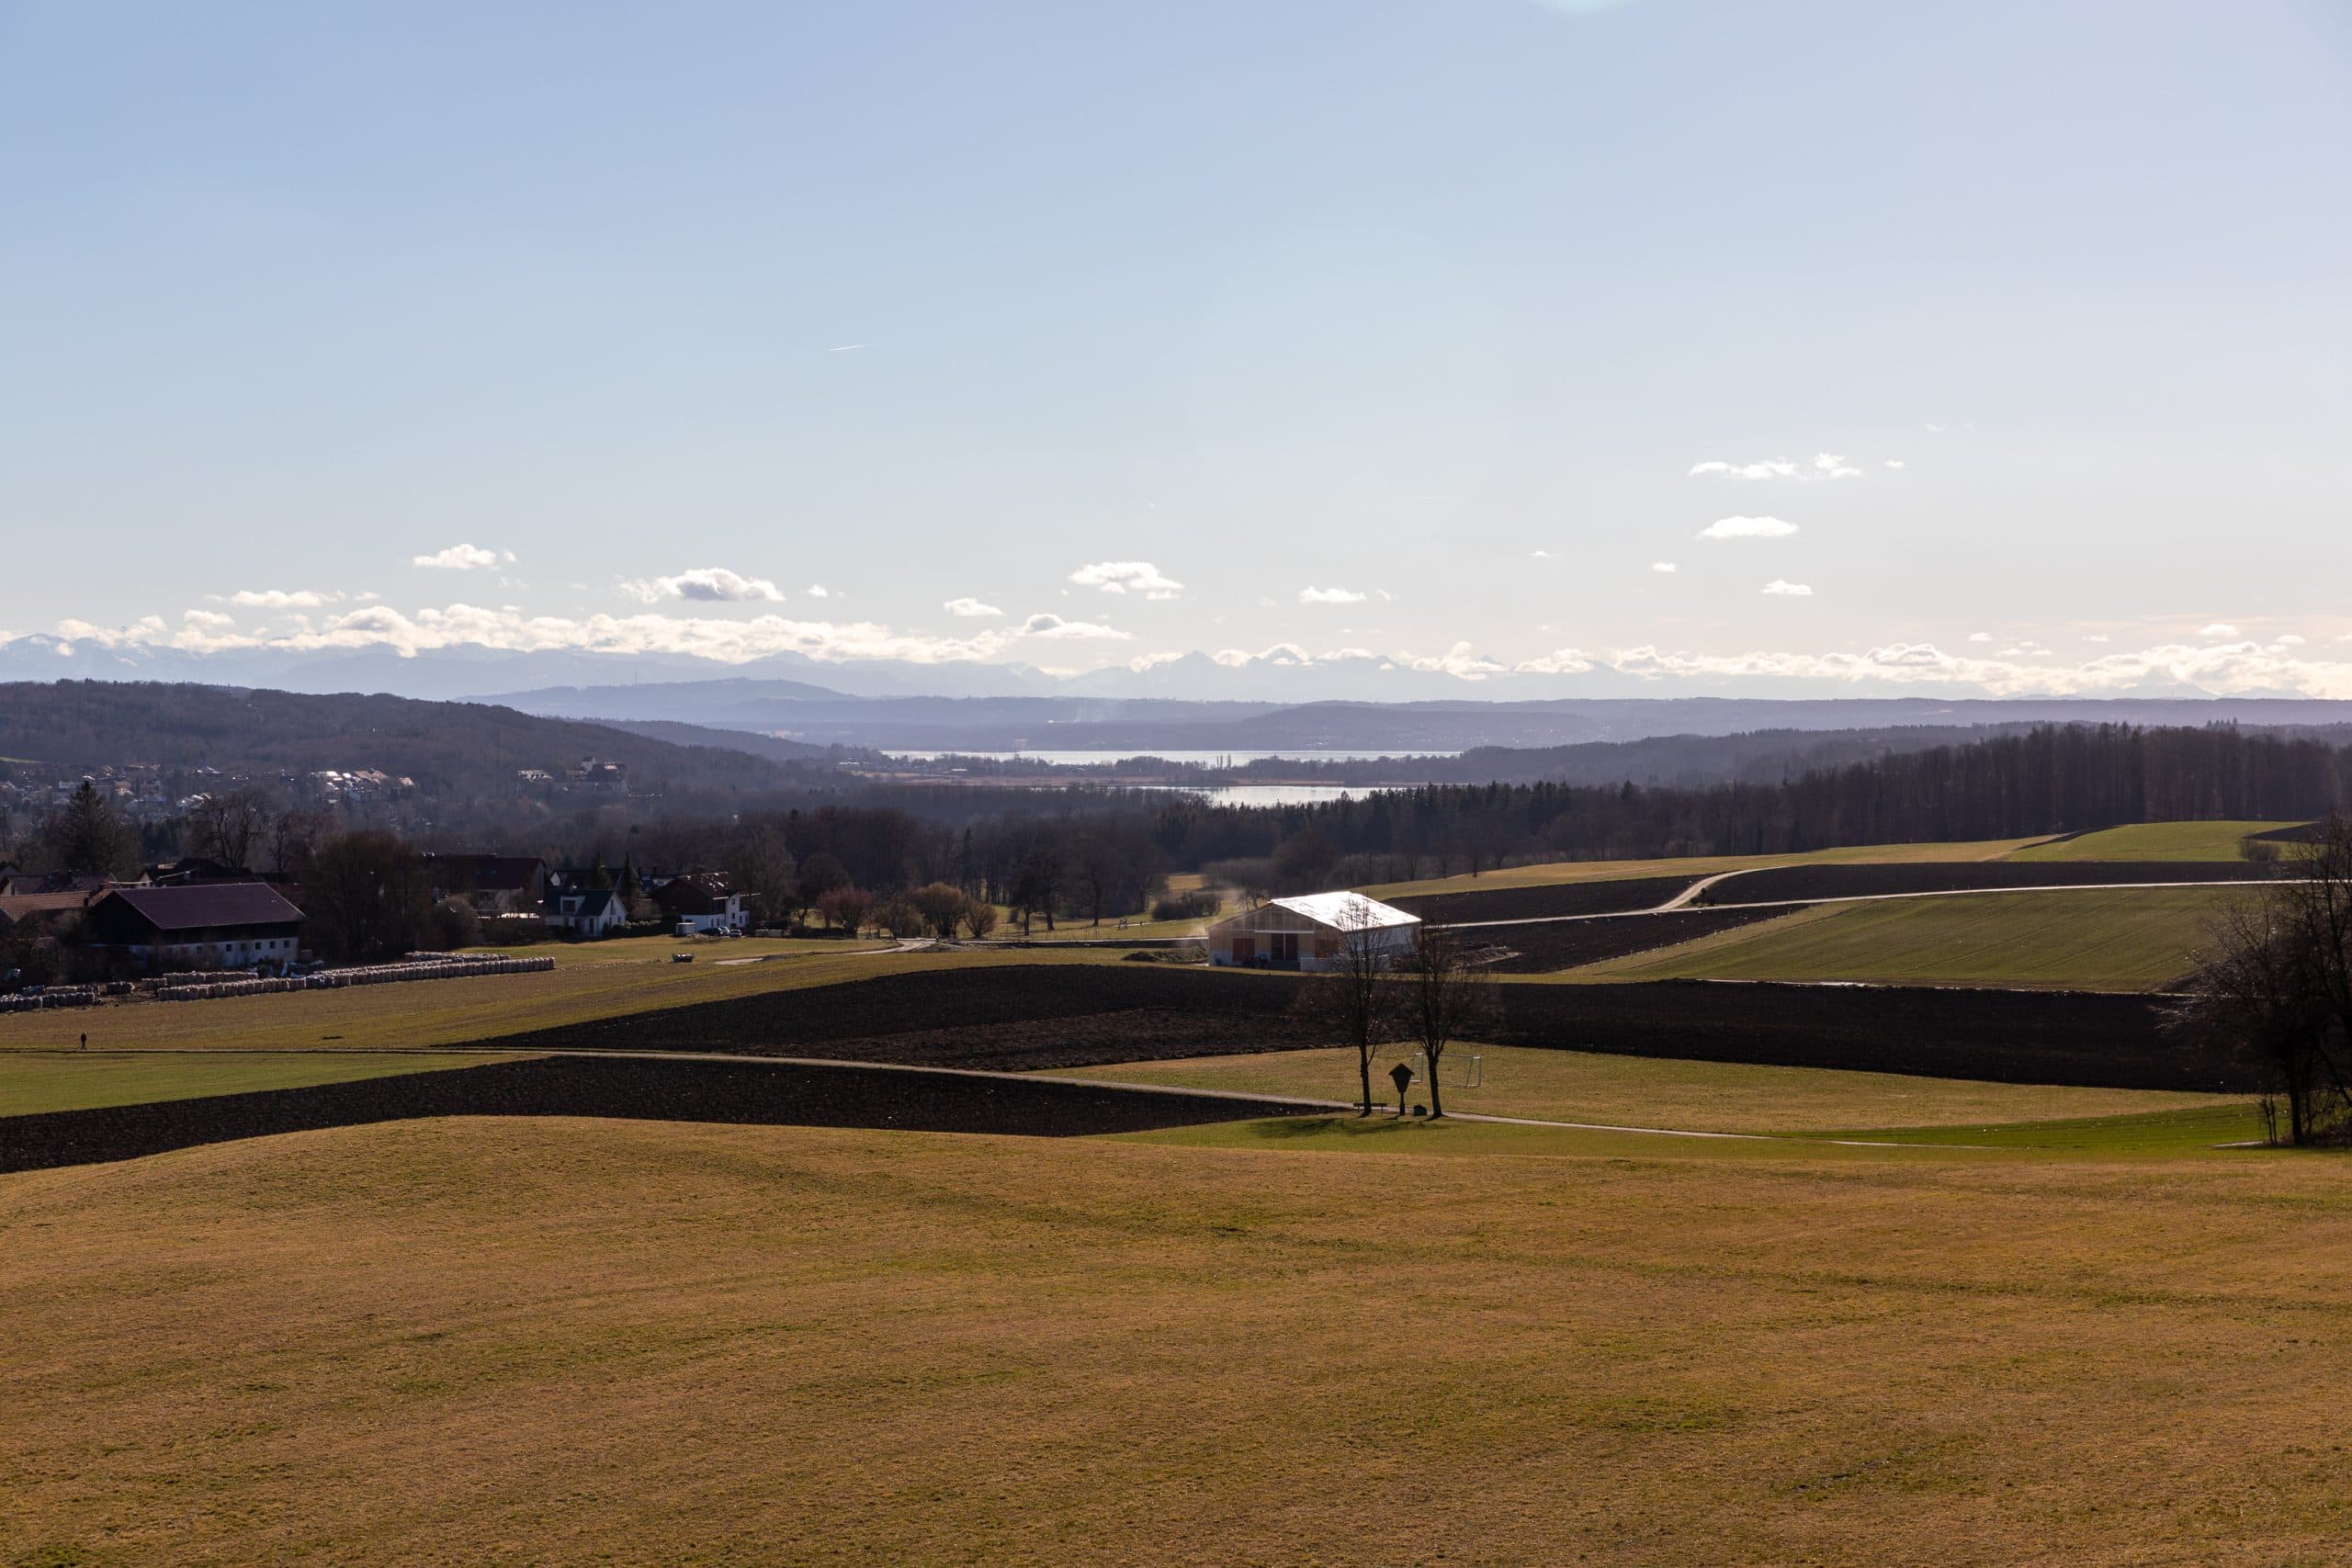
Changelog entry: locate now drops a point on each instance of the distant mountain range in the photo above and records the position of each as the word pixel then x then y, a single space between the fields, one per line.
pixel 1276 677
pixel 1131 725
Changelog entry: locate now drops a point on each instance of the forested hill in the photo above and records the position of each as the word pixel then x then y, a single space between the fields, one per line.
pixel 450 750
pixel 2050 780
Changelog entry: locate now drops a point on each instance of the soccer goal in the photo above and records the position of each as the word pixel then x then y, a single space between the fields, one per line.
pixel 1461 1069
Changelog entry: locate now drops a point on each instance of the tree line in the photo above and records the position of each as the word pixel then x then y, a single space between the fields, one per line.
pixel 1051 857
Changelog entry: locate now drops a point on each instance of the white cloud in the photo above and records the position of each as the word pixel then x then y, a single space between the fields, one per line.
pixel 461 558
pixel 707 585
pixel 1980 637
pixel 1747 528
pixel 1782 588
pixel 2219 628
pixel 1054 628
pixel 2289 639
pixel 1825 466
pixel 1559 661
pixel 2220 668
pixel 208 622
pixel 818 590
pixel 1457 660
pixel 1895 462
pixel 1331 596
pixel 1664 566
pixel 970 608
pixel 1128 577
pixel 1539 555
pixel 283 599
pixel 2098 636
pixel 1769 468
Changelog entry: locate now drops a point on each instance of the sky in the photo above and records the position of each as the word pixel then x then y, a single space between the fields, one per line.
pixel 1801 345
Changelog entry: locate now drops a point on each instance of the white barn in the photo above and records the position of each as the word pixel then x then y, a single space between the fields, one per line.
pixel 1309 932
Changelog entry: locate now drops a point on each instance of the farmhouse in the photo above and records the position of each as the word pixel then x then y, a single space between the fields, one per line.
pixel 700 901
pixel 213 925
pixel 1310 933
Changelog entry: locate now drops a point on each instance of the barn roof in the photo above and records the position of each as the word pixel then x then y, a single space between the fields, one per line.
pixel 18 907
pixel 1346 911
pixel 207 904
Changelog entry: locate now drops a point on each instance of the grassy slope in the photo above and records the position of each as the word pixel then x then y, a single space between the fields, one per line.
pixel 445 1012
pixel 31 1081
pixel 2123 940
pixel 2153 840
pixel 561 1341
pixel 1554 872
pixel 1575 1085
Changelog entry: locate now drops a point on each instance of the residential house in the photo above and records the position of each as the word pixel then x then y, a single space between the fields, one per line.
pixel 701 901
pixel 584 911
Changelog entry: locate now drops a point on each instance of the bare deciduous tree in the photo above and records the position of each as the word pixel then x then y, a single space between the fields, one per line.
pixel 2274 983
pixel 1354 992
pixel 223 825
pixel 1448 992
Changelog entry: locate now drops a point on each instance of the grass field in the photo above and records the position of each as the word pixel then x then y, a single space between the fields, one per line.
pixel 2096 939
pixel 1640 1091
pixel 1554 872
pixel 2155 840
pixel 448 1012
pixel 32 1081
pixel 561 1341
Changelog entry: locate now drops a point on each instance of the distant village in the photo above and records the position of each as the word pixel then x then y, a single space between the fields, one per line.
pixel 205 915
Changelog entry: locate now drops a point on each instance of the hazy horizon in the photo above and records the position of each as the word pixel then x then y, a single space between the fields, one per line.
pixel 1498 349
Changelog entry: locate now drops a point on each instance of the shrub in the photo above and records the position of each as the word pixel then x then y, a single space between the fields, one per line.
pixel 899 916
pixel 1188 906
pixel 846 906
pixel 454 924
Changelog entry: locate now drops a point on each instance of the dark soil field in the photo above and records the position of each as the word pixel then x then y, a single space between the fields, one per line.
pixel 1084 1015
pixel 783 1094
pixel 1795 882
pixel 2086 1038
pixel 1546 948
pixel 1542 902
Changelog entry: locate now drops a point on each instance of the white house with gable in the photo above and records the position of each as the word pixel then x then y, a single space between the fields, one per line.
pixel 1310 933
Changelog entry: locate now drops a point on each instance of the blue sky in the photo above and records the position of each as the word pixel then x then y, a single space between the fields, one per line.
pixel 1332 324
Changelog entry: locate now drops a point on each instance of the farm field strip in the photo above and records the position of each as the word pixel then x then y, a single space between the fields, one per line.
pixel 31 1082
pixel 2060 887
pixel 2154 841
pixel 457 1012
pixel 2132 939
pixel 1593 1088
pixel 1553 872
